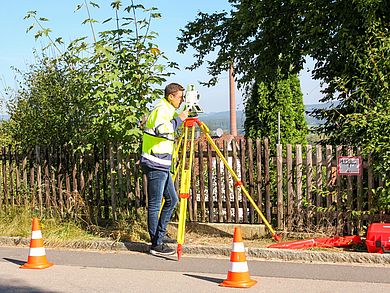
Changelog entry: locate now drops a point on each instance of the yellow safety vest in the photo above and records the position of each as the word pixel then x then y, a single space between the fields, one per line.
pixel 159 135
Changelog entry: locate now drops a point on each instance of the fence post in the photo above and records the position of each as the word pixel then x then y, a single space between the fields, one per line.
pixel 112 182
pixel 226 179
pixel 4 169
pixel 39 182
pixel 318 183
pixel 243 179
pixel 279 169
pixel 298 156
pixel 267 180
pixel 251 171
pixel 290 190
pixel 309 186
pixel 210 183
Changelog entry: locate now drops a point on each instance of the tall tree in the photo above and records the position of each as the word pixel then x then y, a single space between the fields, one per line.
pixel 350 41
pixel 267 101
pixel 262 61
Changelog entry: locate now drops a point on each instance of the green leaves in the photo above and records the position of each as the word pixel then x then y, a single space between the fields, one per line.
pixel 92 92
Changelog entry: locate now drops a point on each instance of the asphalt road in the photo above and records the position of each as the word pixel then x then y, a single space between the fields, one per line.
pixel 93 271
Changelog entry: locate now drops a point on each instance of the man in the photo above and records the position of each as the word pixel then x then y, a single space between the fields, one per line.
pixel 156 160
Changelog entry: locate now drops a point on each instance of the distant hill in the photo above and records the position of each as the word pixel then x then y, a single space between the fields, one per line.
pixel 215 120
pixel 221 120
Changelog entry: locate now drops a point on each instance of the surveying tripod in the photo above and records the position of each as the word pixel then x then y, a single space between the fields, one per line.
pixel 185 179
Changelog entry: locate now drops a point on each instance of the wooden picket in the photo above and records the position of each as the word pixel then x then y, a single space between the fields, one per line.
pixel 296 187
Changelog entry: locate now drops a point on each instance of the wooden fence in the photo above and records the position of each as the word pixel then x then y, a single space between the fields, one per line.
pixel 296 187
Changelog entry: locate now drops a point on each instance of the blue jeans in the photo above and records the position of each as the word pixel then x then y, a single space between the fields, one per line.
pixel 160 184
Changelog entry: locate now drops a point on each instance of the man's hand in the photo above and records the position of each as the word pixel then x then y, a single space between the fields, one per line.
pixel 184 115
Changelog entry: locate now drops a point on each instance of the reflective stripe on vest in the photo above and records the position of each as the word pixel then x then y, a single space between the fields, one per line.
pixel 151 132
pixel 156 160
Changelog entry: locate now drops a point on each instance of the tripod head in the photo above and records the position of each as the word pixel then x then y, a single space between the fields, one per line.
pixel 191 101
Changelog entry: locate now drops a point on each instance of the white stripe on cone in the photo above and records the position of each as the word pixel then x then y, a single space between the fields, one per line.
pixel 238 267
pixel 238 247
pixel 36 234
pixel 39 251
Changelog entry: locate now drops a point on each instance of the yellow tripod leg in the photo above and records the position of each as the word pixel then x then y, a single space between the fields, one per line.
pixel 206 131
pixel 185 183
pixel 174 158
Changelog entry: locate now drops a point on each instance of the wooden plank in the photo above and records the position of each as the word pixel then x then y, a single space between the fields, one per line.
pixel 318 182
pixel 350 199
pixel 251 170
pixel 104 174
pixel 329 176
pixel 193 208
pixel 82 190
pixel 75 191
pixel 39 179
pixel 137 179
pixel 309 184
pixel 340 203
pixel 195 175
pixel 299 167
pixel 144 193
pixel 267 180
pixel 11 177
pixel 370 182
pixel 243 179
pixel 279 181
pixel 259 180
pixel 97 183
pixel 60 179
pixel 112 182
pixel 235 191
pixel 120 171
pixel 129 194
pixel 5 181
pixel 25 185
pixel 51 163
pixel 47 179
pixel 90 187
pixel 18 181
pixel 219 184
pixel 32 179
pixel 210 184
pixel 226 181
pixel 201 183
pixel 290 190
pixel 359 186
pixel 67 166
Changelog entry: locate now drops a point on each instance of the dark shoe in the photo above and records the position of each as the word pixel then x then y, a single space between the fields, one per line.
pixel 167 239
pixel 162 250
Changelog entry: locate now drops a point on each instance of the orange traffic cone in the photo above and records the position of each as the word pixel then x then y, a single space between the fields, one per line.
pixel 238 274
pixel 36 255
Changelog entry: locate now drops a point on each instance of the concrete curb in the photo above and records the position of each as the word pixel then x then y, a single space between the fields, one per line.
pixel 254 253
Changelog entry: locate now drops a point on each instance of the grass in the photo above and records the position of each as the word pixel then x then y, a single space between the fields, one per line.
pixel 16 222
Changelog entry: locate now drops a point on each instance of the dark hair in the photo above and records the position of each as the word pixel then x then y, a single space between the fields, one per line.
pixel 172 88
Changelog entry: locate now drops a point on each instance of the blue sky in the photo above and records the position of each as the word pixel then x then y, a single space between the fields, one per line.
pixel 17 46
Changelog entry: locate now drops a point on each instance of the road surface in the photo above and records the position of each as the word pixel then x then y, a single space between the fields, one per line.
pixel 94 271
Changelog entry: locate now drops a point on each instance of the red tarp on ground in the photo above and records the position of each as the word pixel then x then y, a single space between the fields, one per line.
pixel 319 242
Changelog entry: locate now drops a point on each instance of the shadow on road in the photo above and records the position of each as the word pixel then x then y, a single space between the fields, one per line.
pixel 15 261
pixel 137 246
pixel 213 280
pixel 19 286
